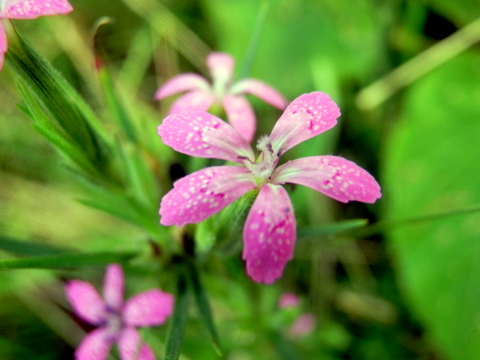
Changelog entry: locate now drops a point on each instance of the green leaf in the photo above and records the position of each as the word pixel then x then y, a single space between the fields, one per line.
pixel 203 306
pixel 19 247
pixel 178 319
pixel 68 110
pixel 52 133
pixel 64 260
pixel 115 106
pixel 432 163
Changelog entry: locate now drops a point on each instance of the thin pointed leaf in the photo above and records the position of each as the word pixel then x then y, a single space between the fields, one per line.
pixel 19 247
pixel 335 228
pixel 65 260
pixel 51 132
pixel 178 319
pixel 115 106
pixel 203 306
pixel 69 110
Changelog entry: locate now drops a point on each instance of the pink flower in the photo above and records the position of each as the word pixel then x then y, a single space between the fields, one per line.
pixel 269 232
pixel 288 300
pixel 116 320
pixel 303 325
pixel 201 95
pixel 28 9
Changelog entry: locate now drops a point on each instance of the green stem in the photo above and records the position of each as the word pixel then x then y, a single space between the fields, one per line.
pixel 375 94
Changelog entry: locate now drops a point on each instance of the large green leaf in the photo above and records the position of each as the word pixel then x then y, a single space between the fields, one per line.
pixel 431 167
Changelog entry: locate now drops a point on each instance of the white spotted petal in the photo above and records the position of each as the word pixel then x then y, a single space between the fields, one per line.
pixel 204 135
pixel 269 234
pixel 86 301
pixel 31 9
pixel 333 176
pixel 149 308
pixel 305 117
pixel 96 345
pixel 131 347
pixel 198 196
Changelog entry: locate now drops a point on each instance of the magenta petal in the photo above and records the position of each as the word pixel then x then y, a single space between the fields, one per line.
pixel 307 116
pixel 261 90
pixel 131 347
pixel 96 345
pixel 30 9
pixel 85 301
pixel 240 114
pixel 149 308
pixel 181 83
pixel 204 135
pixel 269 234
pixel 221 66
pixel 193 101
pixel 113 287
pixel 3 45
pixel 333 176
pixel 204 193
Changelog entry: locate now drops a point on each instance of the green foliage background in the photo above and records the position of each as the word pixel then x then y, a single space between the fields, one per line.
pixel 406 287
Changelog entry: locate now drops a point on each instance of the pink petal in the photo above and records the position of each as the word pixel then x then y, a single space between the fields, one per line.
pixel 303 326
pixel 307 116
pixel 149 308
pixel 204 135
pixel 3 45
pixel 198 196
pixel 113 287
pixel 240 114
pixel 30 9
pixel 221 66
pixel 131 347
pixel 262 91
pixel 269 234
pixel 288 300
pixel 333 176
pixel 85 301
pixel 181 83
pixel 193 101
pixel 96 345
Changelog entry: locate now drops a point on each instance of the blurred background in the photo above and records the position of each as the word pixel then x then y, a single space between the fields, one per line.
pixel 406 75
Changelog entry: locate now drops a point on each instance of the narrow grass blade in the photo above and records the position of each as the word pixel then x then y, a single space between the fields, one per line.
pixel 61 261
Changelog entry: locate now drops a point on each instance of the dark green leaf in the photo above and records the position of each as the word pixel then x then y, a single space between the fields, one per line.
pixel 203 306
pixel 179 318
pixel 64 260
pixel 68 110
pixel 19 247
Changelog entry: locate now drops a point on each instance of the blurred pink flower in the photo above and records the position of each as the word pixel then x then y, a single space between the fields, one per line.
pixel 269 232
pixel 201 95
pixel 288 300
pixel 28 9
pixel 116 321
pixel 303 325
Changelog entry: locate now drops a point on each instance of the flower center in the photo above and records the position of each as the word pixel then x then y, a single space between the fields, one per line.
pixel 262 169
pixel 114 321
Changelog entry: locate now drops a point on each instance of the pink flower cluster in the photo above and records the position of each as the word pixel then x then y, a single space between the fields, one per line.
pixel 116 320
pixel 28 9
pixel 269 232
pixel 201 95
